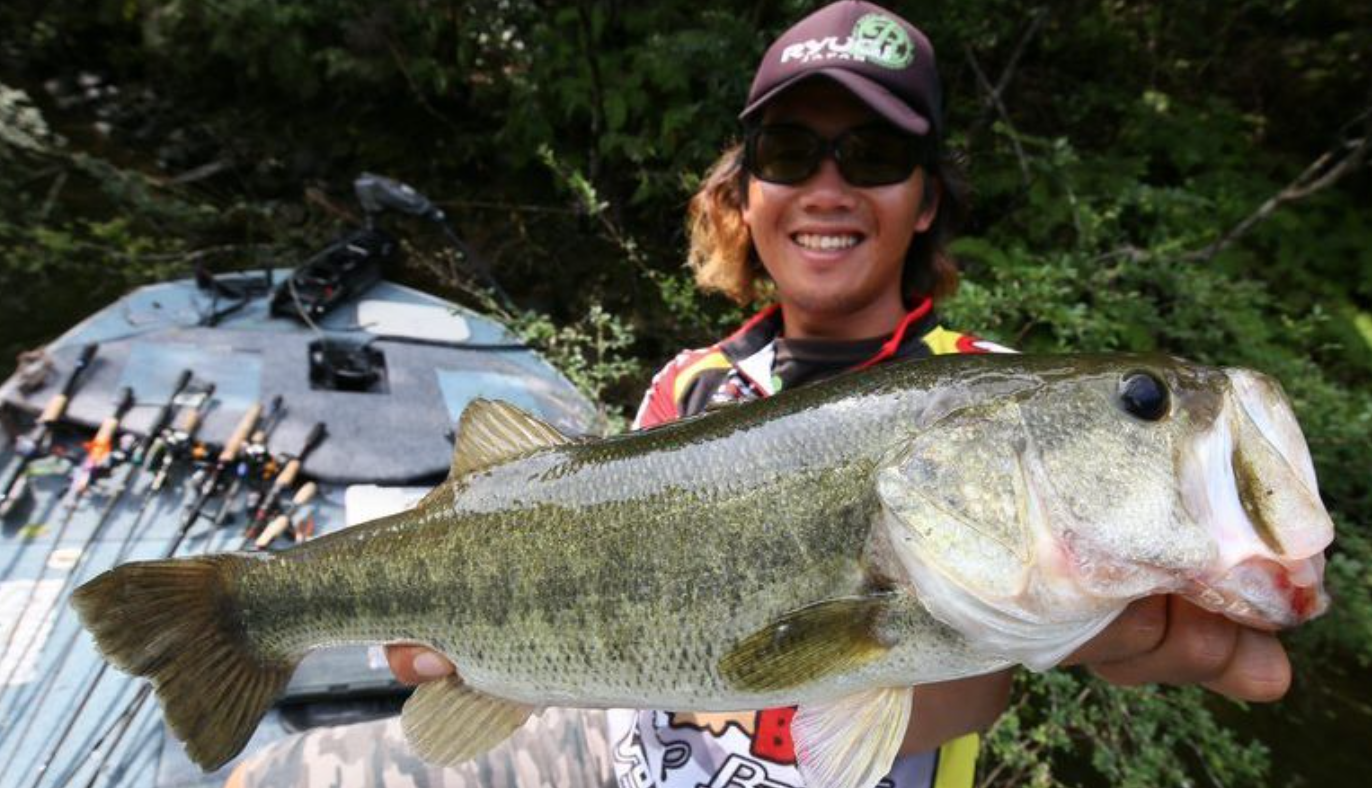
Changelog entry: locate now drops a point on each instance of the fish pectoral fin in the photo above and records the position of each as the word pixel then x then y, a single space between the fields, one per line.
pixel 448 723
pixel 851 742
pixel 832 636
pixel 491 432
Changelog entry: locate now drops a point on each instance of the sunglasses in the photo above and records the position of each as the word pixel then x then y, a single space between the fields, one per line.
pixel 871 155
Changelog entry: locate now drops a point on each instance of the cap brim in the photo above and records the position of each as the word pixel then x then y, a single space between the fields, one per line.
pixel 882 101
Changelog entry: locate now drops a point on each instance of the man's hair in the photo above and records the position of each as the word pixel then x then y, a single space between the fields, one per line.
pixel 724 259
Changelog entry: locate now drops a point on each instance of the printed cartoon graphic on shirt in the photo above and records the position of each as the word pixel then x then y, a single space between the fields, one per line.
pixel 631 761
pixel 714 723
pixel 769 730
pixel 741 772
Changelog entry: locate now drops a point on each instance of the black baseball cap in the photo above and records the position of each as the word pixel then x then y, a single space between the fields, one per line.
pixel 881 58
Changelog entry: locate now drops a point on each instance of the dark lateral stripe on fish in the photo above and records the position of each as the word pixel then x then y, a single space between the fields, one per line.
pixel 175 622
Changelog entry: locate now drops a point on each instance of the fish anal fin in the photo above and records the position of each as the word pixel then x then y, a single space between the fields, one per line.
pixel 448 723
pixel 852 741
pixel 491 432
pixel 833 636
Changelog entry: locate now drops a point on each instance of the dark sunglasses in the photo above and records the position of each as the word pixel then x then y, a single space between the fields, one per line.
pixel 871 155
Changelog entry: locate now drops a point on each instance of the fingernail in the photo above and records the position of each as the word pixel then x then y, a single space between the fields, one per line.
pixel 431 666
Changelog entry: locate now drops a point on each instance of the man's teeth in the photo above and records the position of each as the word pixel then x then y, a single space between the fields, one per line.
pixel 813 241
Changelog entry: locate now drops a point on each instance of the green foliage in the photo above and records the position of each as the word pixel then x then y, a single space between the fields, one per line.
pixel 590 352
pixel 1131 140
pixel 1133 738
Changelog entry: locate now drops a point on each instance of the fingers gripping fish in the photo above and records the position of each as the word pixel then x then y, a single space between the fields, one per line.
pixel 826 548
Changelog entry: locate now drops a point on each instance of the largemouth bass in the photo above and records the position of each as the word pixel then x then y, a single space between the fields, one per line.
pixel 826 548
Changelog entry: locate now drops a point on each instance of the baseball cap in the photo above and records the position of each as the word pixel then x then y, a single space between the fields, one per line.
pixel 881 58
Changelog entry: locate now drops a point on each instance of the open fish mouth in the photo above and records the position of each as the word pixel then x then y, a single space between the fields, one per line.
pixel 1253 482
pixel 1267 594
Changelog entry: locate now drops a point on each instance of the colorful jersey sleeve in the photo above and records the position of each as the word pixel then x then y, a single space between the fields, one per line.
pixel 672 385
pixel 941 341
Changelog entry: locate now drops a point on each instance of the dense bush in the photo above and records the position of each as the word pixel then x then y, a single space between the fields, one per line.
pixel 1182 177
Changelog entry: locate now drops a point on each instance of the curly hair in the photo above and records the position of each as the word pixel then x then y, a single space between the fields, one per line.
pixel 724 260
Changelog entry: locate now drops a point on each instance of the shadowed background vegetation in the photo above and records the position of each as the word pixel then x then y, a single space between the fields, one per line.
pixel 1189 177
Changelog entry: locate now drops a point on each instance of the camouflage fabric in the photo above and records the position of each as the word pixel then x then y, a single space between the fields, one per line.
pixel 560 748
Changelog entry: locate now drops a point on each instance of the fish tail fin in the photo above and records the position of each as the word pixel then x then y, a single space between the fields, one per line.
pixel 178 623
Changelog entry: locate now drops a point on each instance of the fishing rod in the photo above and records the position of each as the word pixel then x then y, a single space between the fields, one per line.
pixel 96 455
pixel 227 457
pixel 276 527
pixel 232 447
pixel 175 444
pixel 134 460
pixel 117 730
pixel 285 479
pixel 131 465
pixel 255 464
pixel 99 452
pixel 14 481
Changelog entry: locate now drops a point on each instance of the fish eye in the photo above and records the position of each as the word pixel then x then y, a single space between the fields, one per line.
pixel 1143 395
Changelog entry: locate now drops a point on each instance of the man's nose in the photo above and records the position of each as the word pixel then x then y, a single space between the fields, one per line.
pixel 827 190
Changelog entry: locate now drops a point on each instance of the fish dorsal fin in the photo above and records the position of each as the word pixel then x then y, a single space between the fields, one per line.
pixel 833 636
pixel 491 432
pixel 448 723
pixel 851 742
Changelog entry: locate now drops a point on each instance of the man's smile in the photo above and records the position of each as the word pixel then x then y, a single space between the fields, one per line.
pixel 827 241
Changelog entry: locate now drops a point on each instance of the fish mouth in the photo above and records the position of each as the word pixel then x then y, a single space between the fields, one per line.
pixel 1252 482
pixel 1266 594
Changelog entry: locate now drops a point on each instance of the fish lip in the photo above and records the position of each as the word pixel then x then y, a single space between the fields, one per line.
pixel 1255 424
pixel 1264 593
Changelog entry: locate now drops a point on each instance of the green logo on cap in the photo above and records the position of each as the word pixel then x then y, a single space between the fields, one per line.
pixel 881 40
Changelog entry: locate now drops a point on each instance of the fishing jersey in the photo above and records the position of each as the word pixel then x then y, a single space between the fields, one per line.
pixel 664 749
pixel 756 361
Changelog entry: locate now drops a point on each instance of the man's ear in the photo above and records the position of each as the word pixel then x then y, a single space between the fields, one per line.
pixel 933 192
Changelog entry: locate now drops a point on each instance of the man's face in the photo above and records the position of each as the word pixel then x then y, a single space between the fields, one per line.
pixel 834 250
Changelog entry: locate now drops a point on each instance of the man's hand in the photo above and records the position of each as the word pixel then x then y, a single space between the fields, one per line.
pixel 1167 640
pixel 416 664
pixel 948 709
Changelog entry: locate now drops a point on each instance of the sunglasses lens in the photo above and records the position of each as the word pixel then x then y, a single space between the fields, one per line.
pixel 782 154
pixel 877 156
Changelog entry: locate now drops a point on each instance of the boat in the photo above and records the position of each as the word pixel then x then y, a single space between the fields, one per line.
pixel 244 411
